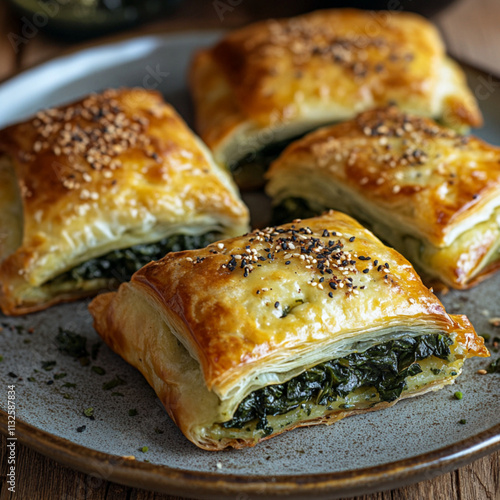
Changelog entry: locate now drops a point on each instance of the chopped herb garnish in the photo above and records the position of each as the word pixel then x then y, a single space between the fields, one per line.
pixel 31 379
pixel 71 343
pixel 58 376
pixel 494 366
pixel 89 413
pixel 132 412
pixel 70 385
pixel 98 370
pixel 85 361
pixel 48 365
pixel 1 359
pixel 463 421
pixel 107 386
pixel 458 395
pixel 67 396
pixel 144 449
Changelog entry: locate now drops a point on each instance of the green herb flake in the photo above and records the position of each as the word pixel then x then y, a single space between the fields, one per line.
pixel 69 385
pixel 494 366
pixel 458 395
pixel 58 376
pixel 144 449
pixel 89 413
pixel 48 365
pixel 27 341
pixel 85 361
pixel 1 359
pixel 98 370
pixel 107 386
pixel 158 431
pixel 132 412
pixel 67 396
pixel 71 343
pixel 31 379
pixel 463 421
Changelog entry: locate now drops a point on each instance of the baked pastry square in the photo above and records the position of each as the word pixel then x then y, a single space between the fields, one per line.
pixel 284 327
pixel 92 191
pixel 431 193
pixel 275 80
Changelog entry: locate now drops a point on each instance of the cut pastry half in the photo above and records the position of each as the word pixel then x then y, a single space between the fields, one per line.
pixel 268 83
pixel 288 326
pixel 92 191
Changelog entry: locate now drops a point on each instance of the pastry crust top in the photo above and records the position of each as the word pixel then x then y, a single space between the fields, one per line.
pixel 100 173
pixel 437 181
pixel 281 297
pixel 326 66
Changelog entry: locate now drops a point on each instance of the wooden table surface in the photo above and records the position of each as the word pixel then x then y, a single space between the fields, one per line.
pixel 470 29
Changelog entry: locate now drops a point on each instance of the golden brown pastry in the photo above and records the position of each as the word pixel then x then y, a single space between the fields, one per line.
pixel 272 81
pixel 431 193
pixel 287 326
pixel 91 191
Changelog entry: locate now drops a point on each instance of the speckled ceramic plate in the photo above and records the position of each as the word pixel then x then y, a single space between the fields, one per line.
pixel 414 440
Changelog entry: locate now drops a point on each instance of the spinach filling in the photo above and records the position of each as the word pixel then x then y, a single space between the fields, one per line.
pixel 259 161
pixel 120 265
pixel 384 367
pixel 292 208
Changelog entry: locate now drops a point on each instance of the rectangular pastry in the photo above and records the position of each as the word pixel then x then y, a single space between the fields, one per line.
pixel 265 84
pixel 284 327
pixel 431 193
pixel 92 191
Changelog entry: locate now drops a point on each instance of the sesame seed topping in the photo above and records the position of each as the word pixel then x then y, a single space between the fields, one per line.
pixel 92 134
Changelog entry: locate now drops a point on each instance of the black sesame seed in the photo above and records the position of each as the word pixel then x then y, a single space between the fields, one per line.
pixel 276 305
pixel 326 233
pixel 333 285
pixel 366 270
pixel 330 294
pixel 352 238
pixel 375 262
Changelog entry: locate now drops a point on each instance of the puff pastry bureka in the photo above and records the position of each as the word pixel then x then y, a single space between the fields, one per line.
pixel 274 80
pixel 91 191
pixel 288 326
pixel 431 193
